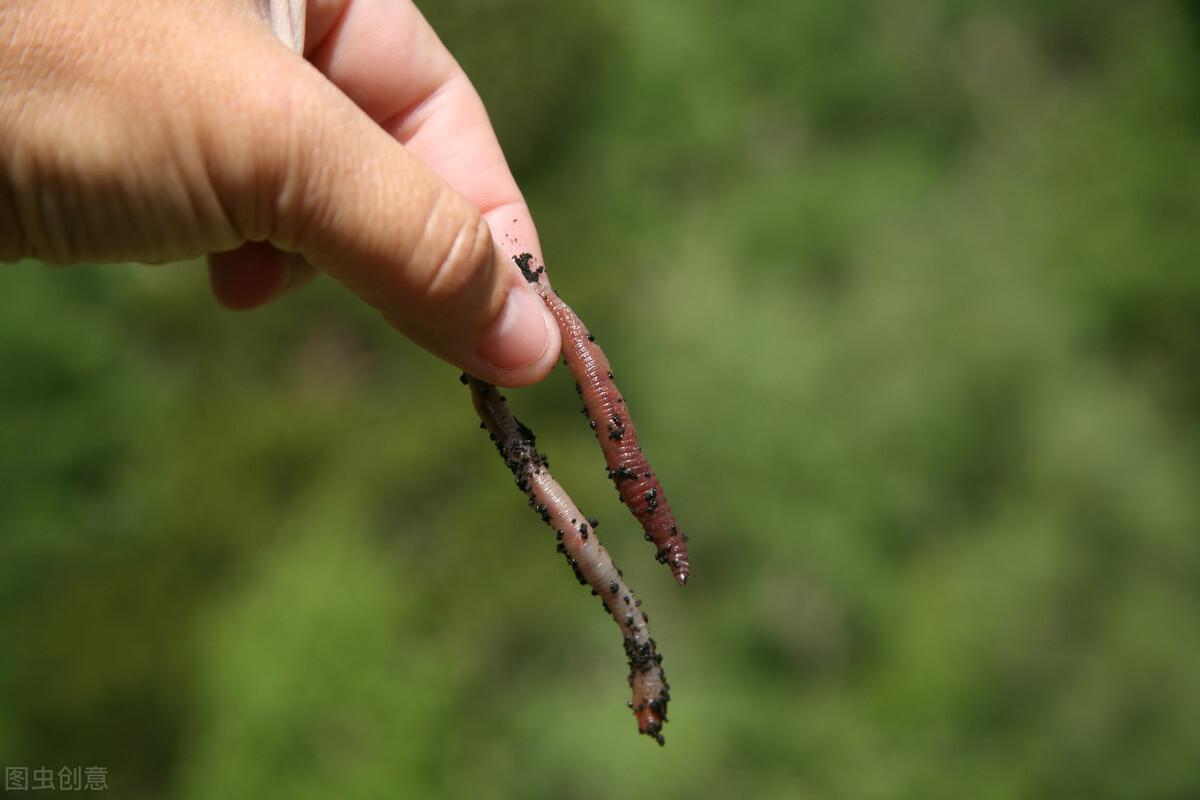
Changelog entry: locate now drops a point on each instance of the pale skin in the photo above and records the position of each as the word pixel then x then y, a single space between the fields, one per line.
pixel 163 131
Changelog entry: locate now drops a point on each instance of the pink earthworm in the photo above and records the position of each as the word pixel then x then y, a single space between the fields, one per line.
pixel 577 541
pixel 631 474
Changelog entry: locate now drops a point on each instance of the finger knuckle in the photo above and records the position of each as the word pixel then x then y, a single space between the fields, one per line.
pixel 457 249
pixel 251 139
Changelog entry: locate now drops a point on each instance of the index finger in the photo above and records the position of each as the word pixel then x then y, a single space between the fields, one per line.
pixel 384 55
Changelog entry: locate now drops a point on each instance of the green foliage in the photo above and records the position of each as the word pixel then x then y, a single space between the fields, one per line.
pixel 906 302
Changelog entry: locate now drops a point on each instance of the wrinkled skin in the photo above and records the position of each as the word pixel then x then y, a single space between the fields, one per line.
pixel 169 130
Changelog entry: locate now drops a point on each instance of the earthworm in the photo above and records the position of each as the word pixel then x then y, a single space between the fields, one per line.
pixel 606 410
pixel 577 541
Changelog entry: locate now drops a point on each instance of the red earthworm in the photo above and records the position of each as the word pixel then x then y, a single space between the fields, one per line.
pixel 584 553
pixel 631 474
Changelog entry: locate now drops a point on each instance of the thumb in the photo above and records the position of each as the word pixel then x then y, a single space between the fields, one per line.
pixel 354 203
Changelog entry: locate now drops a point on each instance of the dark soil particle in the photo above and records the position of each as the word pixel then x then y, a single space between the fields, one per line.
pixel 624 473
pixel 523 262
pixel 642 657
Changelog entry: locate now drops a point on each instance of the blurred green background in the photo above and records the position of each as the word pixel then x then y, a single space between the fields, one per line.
pixel 906 298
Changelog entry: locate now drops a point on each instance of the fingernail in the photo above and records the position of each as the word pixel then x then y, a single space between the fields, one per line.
pixel 518 337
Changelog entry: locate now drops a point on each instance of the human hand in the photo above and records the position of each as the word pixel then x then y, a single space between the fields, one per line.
pixel 159 132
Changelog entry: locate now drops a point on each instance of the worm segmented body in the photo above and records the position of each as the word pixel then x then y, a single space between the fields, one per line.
pixel 636 482
pixel 577 541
